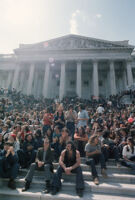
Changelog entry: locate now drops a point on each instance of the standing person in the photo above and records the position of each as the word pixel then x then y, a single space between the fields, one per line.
pixel 59 119
pixel 94 156
pixel 69 162
pixel 9 164
pixel 44 159
pixel 100 109
pixel 70 117
pixel 47 120
pixel 82 116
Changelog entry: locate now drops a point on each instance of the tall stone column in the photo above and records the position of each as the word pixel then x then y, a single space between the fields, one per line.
pixel 22 81
pixel 9 80
pixel 46 80
pixel 16 76
pixel 129 73
pixel 112 78
pixel 79 79
pixel 62 81
pixel 36 83
pixel 30 79
pixel 95 79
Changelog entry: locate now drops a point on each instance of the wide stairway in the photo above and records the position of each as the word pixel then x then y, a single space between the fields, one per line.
pixel 120 184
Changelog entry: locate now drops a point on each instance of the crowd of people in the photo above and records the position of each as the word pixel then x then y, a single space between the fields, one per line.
pixel 35 133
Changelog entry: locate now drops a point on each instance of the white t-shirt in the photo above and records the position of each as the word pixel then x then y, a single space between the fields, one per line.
pixel 100 109
pixel 127 153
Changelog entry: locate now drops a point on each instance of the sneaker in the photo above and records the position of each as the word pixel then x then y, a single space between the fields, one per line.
pixel 47 190
pixel 103 172
pixel 79 192
pixel 26 186
pixel 96 181
pixel 11 184
pixel 47 187
pixel 118 165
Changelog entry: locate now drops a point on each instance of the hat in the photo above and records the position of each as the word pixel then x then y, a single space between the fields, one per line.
pixel 14 136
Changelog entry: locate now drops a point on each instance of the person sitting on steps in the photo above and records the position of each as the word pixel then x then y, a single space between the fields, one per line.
pixel 69 162
pixel 44 159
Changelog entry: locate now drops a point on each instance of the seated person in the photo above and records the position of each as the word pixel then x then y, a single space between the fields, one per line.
pixel 1 142
pixel 9 164
pixel 44 159
pixel 80 140
pixel 69 162
pixel 129 154
pixel 56 132
pixel 94 156
pixel 109 148
pixel 28 153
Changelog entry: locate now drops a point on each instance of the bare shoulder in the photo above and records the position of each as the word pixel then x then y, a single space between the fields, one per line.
pixel 63 152
pixel 77 153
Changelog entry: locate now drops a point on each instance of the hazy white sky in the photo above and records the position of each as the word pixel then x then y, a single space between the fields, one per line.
pixel 31 21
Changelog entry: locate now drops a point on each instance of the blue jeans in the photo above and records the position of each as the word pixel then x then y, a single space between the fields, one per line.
pixel 11 172
pixel 95 160
pixel 79 178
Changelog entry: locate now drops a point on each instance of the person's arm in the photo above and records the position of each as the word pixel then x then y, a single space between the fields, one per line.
pixel 85 138
pixel 76 136
pixel 90 154
pixel 61 160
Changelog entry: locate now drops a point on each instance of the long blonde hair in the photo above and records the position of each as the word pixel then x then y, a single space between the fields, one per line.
pixel 92 139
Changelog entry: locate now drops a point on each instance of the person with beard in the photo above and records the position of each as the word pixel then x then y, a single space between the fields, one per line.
pixel 69 162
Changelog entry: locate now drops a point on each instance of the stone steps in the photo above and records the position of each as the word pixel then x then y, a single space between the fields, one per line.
pixel 90 187
pixel 120 182
pixel 112 177
pixel 36 194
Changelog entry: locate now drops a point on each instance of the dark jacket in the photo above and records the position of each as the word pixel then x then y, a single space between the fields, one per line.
pixel 9 161
pixel 49 155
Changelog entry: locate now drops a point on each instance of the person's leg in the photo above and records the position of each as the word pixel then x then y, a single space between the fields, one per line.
pixel 14 171
pixel 48 177
pixel 105 152
pixel 91 163
pixel 102 161
pixel 79 181
pixel 103 165
pixel 56 183
pixel 115 152
pixel 29 176
pixel 2 173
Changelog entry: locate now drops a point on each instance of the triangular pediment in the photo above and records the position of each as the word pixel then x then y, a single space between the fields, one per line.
pixel 76 42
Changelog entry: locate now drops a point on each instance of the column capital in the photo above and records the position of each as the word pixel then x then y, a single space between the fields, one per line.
pixel 111 61
pixel 79 61
pixel 95 60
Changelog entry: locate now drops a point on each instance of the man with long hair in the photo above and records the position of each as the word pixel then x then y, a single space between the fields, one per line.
pixel 69 162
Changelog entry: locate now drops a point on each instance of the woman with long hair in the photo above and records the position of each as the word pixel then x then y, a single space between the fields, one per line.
pixel 128 154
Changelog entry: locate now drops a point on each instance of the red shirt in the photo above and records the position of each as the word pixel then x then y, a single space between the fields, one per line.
pixel 48 117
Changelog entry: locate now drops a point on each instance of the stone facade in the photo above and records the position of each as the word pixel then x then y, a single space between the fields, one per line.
pixel 68 66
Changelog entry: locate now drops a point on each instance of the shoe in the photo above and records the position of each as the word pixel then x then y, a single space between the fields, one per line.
pixel 47 187
pixel 54 191
pixel 79 192
pixel 96 181
pixel 118 165
pixel 103 172
pixel 26 186
pixel 11 184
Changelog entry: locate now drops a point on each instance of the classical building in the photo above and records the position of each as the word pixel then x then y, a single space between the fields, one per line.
pixel 68 66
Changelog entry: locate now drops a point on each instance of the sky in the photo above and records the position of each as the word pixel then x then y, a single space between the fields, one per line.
pixel 32 21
